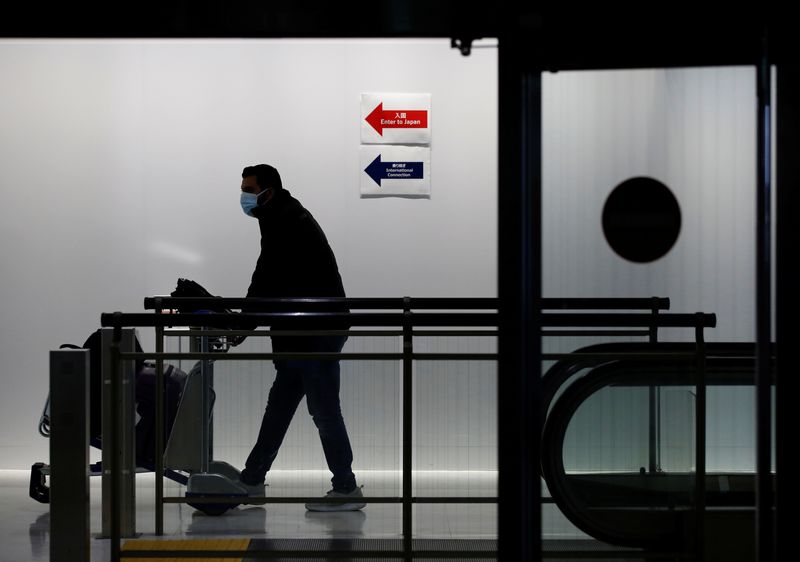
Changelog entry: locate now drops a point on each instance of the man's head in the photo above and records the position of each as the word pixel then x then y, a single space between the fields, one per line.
pixel 259 184
pixel 261 178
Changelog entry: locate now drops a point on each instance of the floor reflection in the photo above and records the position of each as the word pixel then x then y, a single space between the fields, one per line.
pixel 25 524
pixel 39 532
pixel 250 521
pixel 338 523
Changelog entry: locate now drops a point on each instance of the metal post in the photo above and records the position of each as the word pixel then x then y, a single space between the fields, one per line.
pixel 654 406
pixel 787 310
pixel 764 501
pixel 69 456
pixel 118 410
pixel 160 431
pixel 408 428
pixel 700 443
pixel 520 291
pixel 205 429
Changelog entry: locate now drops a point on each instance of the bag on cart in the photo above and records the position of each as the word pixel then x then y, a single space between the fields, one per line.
pixel 145 385
pixel 193 289
pixel 174 383
pixel 145 397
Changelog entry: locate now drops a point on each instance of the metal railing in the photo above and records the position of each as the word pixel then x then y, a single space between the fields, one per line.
pixel 405 317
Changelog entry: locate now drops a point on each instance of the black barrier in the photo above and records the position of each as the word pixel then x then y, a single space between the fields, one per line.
pixel 586 315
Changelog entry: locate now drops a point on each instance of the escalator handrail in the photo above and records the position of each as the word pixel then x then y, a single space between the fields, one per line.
pixel 722 361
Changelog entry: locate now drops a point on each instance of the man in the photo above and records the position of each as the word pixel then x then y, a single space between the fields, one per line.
pixel 297 261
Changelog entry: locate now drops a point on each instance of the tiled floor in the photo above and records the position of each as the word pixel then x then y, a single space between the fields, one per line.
pixel 25 523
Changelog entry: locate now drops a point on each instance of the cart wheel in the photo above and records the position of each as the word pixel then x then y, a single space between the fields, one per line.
pixel 38 489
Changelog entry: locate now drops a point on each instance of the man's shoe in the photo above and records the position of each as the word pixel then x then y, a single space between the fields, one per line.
pixel 253 490
pixel 348 502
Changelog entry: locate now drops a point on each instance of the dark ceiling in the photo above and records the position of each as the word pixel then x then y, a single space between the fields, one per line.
pixel 554 37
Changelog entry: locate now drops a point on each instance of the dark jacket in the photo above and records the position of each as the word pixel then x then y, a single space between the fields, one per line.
pixel 296 259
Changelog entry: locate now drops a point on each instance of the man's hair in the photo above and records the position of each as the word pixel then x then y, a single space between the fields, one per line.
pixel 266 176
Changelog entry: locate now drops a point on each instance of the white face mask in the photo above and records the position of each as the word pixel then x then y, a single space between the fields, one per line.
pixel 249 202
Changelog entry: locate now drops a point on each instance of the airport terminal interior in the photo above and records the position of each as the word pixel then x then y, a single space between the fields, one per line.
pixel 121 162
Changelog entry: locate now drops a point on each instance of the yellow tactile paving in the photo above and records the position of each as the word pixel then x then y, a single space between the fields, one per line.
pixel 201 544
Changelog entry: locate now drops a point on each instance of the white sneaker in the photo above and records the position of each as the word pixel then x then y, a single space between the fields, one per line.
pixel 253 490
pixel 339 506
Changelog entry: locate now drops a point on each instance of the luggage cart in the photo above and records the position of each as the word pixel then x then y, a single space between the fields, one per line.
pixel 187 452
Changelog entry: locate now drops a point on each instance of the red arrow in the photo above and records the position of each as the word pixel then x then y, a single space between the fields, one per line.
pixel 397 119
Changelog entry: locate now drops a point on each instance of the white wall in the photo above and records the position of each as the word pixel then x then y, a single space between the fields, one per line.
pixel 119 171
pixel 120 167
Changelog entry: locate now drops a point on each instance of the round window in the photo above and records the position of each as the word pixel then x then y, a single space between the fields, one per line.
pixel 641 219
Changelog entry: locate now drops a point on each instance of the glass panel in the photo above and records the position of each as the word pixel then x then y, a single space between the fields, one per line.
pixel 455 453
pixel 648 190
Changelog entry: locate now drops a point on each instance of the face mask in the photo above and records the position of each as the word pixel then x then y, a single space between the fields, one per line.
pixel 249 202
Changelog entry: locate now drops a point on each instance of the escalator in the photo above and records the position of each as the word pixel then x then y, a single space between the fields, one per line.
pixel 623 499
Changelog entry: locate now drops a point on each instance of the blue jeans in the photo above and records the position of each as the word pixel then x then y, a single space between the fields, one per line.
pixel 319 382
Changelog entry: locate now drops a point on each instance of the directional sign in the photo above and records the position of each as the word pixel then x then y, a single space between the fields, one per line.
pixel 381 119
pixel 379 170
pixel 395 170
pixel 395 118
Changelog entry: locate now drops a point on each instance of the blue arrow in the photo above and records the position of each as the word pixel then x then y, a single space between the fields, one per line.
pixel 379 170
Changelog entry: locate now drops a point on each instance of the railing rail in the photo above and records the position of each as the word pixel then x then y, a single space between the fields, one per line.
pixel 403 303
pixel 303 320
pixel 326 315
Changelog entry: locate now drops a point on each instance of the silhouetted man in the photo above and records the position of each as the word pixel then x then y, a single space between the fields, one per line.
pixel 297 261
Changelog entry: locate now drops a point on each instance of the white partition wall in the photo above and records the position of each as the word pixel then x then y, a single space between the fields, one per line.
pixel 120 163
pixel 120 167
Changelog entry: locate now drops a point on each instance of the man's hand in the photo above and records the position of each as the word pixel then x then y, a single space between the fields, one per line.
pixel 236 340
